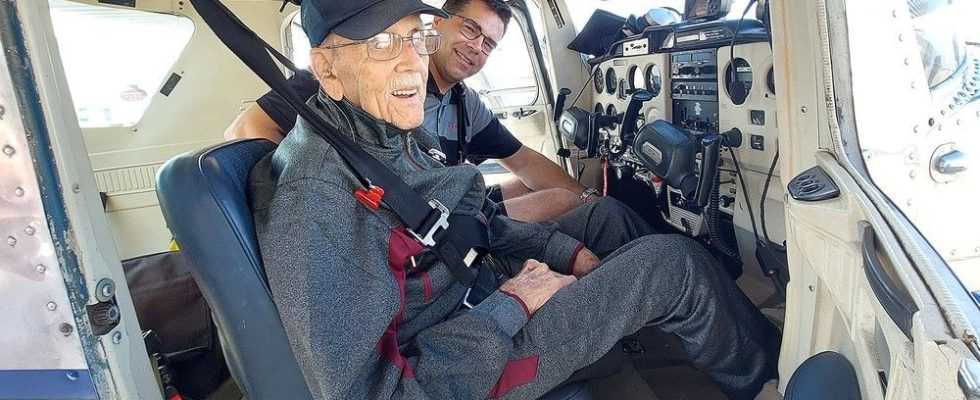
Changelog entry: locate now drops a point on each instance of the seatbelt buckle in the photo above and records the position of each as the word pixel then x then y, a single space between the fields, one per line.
pixel 440 222
pixel 466 299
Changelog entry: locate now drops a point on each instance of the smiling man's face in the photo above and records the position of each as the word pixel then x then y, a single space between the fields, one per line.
pixel 459 57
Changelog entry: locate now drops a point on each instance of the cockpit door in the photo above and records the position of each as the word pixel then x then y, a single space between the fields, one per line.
pixel 864 281
pixel 70 329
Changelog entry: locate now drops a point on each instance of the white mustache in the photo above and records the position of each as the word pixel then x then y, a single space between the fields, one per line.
pixel 406 82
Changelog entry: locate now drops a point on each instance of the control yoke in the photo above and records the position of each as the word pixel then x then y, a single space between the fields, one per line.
pixel 711 151
pixel 669 152
pixel 711 147
pixel 627 130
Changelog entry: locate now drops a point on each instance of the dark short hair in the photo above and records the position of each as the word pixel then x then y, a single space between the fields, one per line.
pixel 499 7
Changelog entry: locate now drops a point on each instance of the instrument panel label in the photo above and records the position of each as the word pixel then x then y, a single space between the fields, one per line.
pixel 653 152
pixel 636 47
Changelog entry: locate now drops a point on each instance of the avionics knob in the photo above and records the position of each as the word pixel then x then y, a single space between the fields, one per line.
pixel 726 201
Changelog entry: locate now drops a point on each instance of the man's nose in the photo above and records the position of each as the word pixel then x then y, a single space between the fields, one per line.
pixel 475 44
pixel 409 57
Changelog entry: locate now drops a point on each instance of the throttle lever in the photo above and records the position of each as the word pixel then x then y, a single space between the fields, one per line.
pixel 560 102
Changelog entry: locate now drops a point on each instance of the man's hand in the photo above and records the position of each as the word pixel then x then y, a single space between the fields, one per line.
pixel 535 284
pixel 585 261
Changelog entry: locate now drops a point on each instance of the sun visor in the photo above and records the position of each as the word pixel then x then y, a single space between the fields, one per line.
pixel 603 29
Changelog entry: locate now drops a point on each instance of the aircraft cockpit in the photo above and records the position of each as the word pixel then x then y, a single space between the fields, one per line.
pixel 816 152
pixel 686 106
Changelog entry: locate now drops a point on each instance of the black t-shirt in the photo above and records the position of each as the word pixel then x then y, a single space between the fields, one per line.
pixel 488 138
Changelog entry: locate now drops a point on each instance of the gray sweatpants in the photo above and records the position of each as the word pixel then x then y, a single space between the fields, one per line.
pixel 665 280
pixel 604 226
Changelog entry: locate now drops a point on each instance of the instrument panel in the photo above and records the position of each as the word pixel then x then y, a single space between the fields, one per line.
pixel 639 72
pixel 708 93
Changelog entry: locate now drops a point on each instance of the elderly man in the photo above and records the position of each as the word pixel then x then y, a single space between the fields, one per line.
pixel 541 191
pixel 370 313
pixel 467 40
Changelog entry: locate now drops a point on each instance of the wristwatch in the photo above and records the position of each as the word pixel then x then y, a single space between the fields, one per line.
pixel 586 193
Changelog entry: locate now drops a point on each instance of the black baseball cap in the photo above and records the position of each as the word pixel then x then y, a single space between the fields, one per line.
pixel 357 19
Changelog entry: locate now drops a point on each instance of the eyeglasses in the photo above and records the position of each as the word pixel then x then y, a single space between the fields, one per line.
pixel 472 31
pixel 387 45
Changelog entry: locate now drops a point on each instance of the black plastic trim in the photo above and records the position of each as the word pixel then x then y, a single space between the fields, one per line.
pixel 896 302
pixel 813 185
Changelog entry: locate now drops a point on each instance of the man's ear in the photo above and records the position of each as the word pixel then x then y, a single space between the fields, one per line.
pixel 436 21
pixel 322 64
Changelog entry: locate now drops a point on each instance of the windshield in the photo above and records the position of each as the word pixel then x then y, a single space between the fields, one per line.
pixel 582 10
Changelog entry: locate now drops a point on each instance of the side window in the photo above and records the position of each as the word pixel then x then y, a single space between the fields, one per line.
pixel 115 60
pixel 916 107
pixel 298 44
pixel 508 78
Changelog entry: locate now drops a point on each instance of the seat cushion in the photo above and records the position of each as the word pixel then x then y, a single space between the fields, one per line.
pixel 827 375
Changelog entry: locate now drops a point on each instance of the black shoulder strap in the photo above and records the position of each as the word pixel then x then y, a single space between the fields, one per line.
pixel 462 122
pixel 423 219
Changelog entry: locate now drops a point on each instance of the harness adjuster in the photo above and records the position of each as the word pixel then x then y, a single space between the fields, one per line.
pixel 438 156
pixel 439 217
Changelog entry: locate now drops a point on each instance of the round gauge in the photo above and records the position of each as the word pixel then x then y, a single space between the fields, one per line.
pixel 598 108
pixel 654 114
pixel 738 80
pixel 771 81
pixel 611 80
pixel 622 89
pixel 611 110
pixel 654 80
pixel 636 78
pixel 599 84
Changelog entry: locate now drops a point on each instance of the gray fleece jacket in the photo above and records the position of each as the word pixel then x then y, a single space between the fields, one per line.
pixel 363 319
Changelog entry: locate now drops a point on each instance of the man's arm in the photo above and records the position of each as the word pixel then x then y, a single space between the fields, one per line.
pixel 254 123
pixel 513 242
pixel 538 172
pixel 491 139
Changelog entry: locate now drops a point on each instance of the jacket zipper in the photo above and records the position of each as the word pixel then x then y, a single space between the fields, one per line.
pixel 408 154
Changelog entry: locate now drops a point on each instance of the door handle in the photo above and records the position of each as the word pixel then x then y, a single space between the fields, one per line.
pixel 896 302
pixel 524 113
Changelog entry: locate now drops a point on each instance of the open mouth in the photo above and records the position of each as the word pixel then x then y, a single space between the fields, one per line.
pixel 405 93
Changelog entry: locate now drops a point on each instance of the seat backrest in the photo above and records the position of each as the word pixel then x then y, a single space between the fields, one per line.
pixel 204 199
